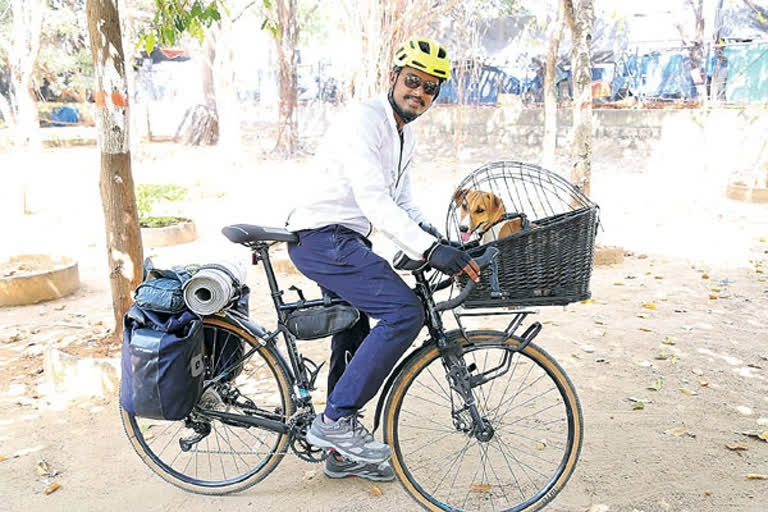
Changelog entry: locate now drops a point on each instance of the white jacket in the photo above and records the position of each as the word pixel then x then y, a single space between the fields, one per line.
pixel 361 179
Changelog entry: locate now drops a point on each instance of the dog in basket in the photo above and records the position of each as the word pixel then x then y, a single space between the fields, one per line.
pixel 482 217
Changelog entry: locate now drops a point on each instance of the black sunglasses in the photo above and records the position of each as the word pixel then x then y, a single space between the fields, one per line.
pixel 412 81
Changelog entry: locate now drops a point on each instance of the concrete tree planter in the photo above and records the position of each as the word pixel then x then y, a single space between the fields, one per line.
pixel 33 278
pixel 741 192
pixel 180 233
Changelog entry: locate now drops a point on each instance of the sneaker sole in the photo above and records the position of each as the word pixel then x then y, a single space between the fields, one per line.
pixel 322 443
pixel 347 474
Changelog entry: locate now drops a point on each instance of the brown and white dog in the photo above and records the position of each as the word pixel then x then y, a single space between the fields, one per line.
pixel 479 216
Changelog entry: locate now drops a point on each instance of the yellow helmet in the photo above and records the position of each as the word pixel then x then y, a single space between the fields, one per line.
pixel 426 55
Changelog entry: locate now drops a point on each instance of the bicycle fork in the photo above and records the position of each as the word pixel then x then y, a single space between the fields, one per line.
pixel 461 380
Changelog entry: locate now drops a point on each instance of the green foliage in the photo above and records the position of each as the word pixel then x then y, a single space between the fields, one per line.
pixel 161 222
pixel 174 18
pixel 147 195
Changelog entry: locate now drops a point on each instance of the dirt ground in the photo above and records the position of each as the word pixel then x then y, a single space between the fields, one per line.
pixel 679 327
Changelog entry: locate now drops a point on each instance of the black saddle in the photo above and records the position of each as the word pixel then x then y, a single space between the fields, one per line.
pixel 248 234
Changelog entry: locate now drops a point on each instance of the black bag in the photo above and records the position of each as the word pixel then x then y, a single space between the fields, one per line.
pixel 161 290
pixel 321 321
pixel 162 363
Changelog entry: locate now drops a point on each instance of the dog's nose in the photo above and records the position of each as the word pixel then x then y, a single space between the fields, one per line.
pixel 464 229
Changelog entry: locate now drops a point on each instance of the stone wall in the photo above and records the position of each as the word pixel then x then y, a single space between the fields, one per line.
pixel 511 125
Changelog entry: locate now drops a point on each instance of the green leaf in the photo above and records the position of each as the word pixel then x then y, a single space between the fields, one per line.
pixel 638 406
pixel 657 385
pixel 149 43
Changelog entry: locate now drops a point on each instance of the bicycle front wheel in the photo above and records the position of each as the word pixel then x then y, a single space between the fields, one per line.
pixel 228 458
pixel 535 421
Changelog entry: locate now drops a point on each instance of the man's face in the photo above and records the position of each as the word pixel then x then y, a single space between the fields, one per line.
pixel 413 100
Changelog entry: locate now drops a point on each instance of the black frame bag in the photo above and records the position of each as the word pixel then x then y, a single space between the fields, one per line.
pixel 162 363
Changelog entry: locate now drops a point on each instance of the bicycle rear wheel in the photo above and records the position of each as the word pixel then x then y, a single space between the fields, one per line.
pixel 531 407
pixel 229 458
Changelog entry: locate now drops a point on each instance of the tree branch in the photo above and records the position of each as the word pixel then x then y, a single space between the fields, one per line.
pixel 310 12
pixel 248 6
pixel 568 11
pixel 758 10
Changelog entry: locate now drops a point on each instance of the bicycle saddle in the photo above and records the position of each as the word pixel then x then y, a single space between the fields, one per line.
pixel 248 233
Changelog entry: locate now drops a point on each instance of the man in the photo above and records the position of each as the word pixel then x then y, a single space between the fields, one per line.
pixel 364 182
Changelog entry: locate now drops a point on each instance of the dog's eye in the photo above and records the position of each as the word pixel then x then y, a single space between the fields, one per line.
pixel 464 206
pixel 479 210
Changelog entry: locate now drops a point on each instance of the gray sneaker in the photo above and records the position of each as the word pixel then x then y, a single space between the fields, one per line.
pixel 344 468
pixel 350 438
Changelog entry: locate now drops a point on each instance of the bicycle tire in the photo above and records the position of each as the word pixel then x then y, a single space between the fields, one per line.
pixel 136 428
pixel 408 467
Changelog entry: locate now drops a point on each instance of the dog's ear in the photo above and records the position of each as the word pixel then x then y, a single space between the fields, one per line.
pixel 459 195
pixel 496 201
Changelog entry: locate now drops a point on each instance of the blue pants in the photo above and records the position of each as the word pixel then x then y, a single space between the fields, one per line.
pixel 341 261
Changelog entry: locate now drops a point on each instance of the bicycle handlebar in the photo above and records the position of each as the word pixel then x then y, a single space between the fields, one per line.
pixel 403 262
pixel 485 259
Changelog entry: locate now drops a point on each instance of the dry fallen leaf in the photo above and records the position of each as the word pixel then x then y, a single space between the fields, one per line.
pixel 687 391
pixel 658 277
pixel 680 430
pixel 705 276
pixel 715 289
pixel 481 487
pixel 2 458
pixel 43 469
pixel 708 493
pixel 618 283
pixel 588 301
pixel 712 297
pixel 763 422
pixel 650 306
pixel 539 446
pixel 668 340
pixel 703 383
pixel 52 488
pixel 645 329
pixel 735 447
pixel 309 475
pixel 755 476
pixel 643 315
pixel 376 491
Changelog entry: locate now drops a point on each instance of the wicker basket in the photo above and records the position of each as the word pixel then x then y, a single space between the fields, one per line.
pixel 550 261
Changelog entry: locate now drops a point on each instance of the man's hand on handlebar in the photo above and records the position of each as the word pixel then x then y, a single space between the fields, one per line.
pixel 452 261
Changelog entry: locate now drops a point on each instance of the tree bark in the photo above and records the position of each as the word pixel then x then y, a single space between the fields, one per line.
pixel 580 18
pixel 287 136
pixel 549 144
pixel 124 249
pixel 22 54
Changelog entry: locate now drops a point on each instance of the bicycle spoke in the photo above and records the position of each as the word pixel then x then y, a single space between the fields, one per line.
pixel 530 441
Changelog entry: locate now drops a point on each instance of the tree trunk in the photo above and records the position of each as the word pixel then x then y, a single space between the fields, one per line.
pixel 23 52
pixel 716 86
pixel 549 144
pixel 124 249
pixel 580 20
pixel 287 136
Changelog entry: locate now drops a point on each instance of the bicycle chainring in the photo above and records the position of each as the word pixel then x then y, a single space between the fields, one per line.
pixel 303 449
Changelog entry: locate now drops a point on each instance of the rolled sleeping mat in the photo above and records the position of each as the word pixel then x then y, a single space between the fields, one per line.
pixel 213 287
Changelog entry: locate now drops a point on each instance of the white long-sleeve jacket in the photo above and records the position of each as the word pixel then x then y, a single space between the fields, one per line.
pixel 361 179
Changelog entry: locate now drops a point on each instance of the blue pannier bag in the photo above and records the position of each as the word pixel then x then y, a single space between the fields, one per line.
pixel 162 363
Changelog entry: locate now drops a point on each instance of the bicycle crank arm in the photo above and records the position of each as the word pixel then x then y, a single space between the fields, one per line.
pixel 242 420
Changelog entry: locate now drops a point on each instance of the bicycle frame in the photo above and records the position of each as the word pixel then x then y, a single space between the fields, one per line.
pixel 303 378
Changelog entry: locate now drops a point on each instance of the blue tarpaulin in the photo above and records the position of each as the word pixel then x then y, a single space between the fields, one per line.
pixel 482 88
pixel 747 79
pixel 63 116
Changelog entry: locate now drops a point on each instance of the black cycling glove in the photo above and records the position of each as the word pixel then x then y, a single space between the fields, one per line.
pixel 447 259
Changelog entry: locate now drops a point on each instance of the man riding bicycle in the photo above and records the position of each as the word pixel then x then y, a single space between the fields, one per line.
pixel 363 182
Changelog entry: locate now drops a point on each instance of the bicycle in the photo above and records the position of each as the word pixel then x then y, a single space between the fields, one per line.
pixel 478 420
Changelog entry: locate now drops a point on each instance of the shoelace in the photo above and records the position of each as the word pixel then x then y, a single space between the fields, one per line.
pixel 354 422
